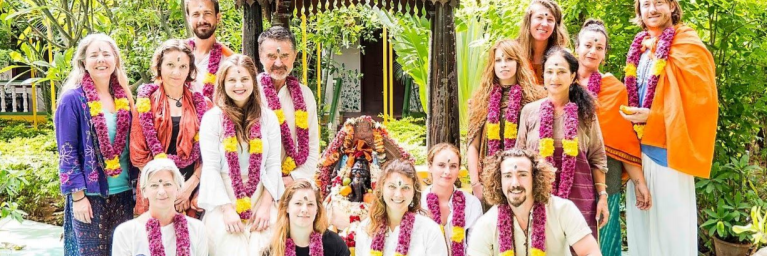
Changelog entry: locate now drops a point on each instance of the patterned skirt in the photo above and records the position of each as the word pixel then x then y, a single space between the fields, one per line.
pixel 96 238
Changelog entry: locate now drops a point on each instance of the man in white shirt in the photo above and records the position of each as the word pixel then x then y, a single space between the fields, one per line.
pixel 293 103
pixel 518 182
pixel 203 17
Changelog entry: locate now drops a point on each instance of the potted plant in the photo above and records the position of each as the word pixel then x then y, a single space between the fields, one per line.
pixel 757 229
pixel 725 202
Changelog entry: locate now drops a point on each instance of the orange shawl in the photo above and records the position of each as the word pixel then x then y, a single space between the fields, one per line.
pixel 140 154
pixel 684 112
pixel 621 142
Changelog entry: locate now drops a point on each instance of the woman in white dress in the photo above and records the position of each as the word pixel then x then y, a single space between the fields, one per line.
pixel 396 224
pixel 241 177
pixel 444 200
pixel 160 230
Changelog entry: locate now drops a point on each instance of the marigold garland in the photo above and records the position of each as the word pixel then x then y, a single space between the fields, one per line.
pixel 296 152
pixel 511 120
pixel 569 144
pixel 243 192
pixel 506 230
pixel 110 151
pixel 403 240
pixel 154 236
pixel 458 222
pixel 660 60
pixel 216 51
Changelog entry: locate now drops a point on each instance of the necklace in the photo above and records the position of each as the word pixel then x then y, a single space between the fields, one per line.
pixel 178 101
pixel 154 236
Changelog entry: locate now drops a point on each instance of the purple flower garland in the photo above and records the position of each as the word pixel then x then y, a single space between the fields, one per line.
pixel 254 164
pixel 494 116
pixel 302 133
pixel 213 62
pixel 506 229
pixel 110 152
pixel 403 241
pixel 154 235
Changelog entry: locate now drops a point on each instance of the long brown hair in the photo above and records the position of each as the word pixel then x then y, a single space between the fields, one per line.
pixel 283 219
pixel 543 176
pixel 378 214
pixel 481 97
pixel 558 38
pixel 172 45
pixel 243 118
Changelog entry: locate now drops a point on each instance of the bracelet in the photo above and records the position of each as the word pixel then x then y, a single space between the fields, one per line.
pixel 603 192
pixel 78 200
pixel 475 184
pixel 600 184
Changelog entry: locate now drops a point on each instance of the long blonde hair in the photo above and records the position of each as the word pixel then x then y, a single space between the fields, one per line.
pixel 378 215
pixel 481 98
pixel 558 38
pixel 283 220
pixel 75 77
pixel 243 118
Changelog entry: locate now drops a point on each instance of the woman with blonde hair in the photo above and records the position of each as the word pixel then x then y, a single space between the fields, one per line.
pixel 240 141
pixel 540 30
pixel 396 224
pixel 302 226
pixel 506 86
pixel 168 120
pixel 92 129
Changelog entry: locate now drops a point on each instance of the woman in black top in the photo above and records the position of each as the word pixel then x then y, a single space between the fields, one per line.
pixel 302 225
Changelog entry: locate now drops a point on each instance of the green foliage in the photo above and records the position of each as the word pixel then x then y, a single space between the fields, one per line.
pixel 340 28
pixel 757 229
pixel 410 134
pixel 10 130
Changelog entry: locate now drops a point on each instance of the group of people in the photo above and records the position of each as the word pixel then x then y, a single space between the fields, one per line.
pixel 223 158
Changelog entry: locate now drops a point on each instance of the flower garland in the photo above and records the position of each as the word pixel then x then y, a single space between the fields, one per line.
pixel 569 143
pixel 658 66
pixel 294 157
pixel 155 236
pixel 403 241
pixel 315 245
pixel 110 151
pixel 458 221
pixel 506 230
pixel 213 61
pixel 511 121
pixel 146 119
pixel 595 83
pixel 256 149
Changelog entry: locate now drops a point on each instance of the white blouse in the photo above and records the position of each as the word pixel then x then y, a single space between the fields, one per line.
pixel 426 239
pixel 472 212
pixel 130 238
pixel 215 185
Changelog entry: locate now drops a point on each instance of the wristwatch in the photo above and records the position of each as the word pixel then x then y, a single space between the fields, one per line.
pixel 603 193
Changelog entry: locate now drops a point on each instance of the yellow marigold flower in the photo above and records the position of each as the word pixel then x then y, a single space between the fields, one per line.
pixel 507 253
pixel 376 253
pixel 122 104
pixel 197 137
pixel 243 204
pixel 113 163
pixel 280 115
pixel 256 146
pixel 95 107
pixel 546 147
pixel 398 254
pixel 210 79
pixel 351 249
pixel 442 228
pixel 457 235
pixel 143 105
pixel 639 129
pixel 657 69
pixel 288 165
pixel 230 144
pixel 302 119
pixel 161 156
pixel 493 131
pixel 631 70
pixel 510 130
pixel 537 252
pixel 571 146
pixel 463 173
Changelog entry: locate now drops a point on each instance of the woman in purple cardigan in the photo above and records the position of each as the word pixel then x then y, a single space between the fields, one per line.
pixel 92 122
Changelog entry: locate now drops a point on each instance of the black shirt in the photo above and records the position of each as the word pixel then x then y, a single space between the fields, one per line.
pixel 186 171
pixel 332 245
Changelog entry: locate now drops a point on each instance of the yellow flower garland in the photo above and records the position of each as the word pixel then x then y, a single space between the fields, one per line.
pixel 280 116
pixel 243 204
pixel 256 146
pixel 288 165
pixel 493 131
pixel 630 70
pixel 143 105
pixel 571 146
pixel 546 147
pixel 230 144
pixel 122 104
pixel 458 235
pixel 302 119
pixel 95 107
pixel 510 130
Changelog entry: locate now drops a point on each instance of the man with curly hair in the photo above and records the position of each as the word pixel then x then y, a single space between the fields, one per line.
pixel 526 219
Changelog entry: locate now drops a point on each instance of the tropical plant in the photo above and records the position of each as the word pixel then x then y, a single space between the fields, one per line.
pixel 757 229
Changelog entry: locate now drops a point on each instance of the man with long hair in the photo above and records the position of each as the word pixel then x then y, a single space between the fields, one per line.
pixel 526 218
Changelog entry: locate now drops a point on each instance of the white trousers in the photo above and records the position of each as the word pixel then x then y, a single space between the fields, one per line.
pixel 670 226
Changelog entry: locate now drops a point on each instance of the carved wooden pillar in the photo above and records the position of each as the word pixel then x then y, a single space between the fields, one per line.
pixel 442 118
pixel 252 26
pixel 282 13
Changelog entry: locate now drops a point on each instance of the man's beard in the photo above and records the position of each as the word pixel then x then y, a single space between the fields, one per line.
pixel 205 35
pixel 276 76
pixel 516 202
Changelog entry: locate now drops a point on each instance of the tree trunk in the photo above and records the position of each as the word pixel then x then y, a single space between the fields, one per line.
pixel 442 118
pixel 252 26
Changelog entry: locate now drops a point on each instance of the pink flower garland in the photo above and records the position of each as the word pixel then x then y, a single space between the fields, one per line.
pixel 569 154
pixel 632 61
pixel 110 152
pixel 254 164
pixel 146 119
pixel 182 236
pixel 506 230
pixel 595 83
pixel 511 118
pixel 458 221
pixel 213 62
pixel 403 241
pixel 302 133
pixel 315 245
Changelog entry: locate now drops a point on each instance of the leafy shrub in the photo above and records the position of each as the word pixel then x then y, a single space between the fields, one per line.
pixel 410 133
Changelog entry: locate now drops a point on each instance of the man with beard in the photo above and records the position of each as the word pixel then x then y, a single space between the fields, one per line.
pixel 203 17
pixel 671 84
pixel 293 103
pixel 526 218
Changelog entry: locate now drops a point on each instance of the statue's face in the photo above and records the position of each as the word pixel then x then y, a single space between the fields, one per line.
pixel 363 131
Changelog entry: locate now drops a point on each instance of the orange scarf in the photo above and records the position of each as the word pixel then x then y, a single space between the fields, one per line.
pixel 621 142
